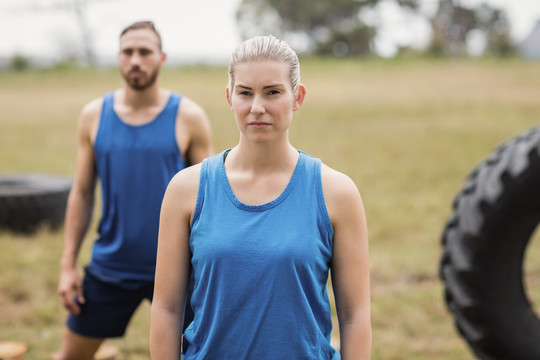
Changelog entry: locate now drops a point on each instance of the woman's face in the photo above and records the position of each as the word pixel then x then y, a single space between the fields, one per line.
pixel 262 100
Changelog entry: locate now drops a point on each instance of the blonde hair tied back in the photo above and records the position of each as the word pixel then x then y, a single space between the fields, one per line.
pixel 266 48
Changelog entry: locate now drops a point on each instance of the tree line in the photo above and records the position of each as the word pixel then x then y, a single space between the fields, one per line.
pixel 335 27
pixel 331 27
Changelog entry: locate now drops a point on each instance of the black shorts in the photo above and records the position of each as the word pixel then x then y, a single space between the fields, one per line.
pixel 108 308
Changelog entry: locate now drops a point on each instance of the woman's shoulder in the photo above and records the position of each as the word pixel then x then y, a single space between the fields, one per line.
pixel 335 181
pixel 186 176
pixel 186 182
pixel 340 191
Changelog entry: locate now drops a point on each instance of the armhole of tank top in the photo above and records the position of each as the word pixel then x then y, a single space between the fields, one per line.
pixel 178 102
pixel 200 193
pixel 104 102
pixel 320 197
pixel 179 97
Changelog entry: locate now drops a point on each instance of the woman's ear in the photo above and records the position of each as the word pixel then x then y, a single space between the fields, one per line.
pixel 228 97
pixel 300 96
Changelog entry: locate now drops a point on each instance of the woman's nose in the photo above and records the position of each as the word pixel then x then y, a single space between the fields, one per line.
pixel 257 106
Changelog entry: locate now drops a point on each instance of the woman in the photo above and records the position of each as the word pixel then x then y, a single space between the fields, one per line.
pixel 253 232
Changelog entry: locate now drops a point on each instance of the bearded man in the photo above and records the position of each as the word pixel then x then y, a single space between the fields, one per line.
pixel 133 140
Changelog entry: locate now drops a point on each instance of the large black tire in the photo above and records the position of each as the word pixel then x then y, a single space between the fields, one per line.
pixel 30 201
pixel 484 242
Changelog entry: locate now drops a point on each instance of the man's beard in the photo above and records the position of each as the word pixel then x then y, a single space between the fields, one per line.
pixel 139 84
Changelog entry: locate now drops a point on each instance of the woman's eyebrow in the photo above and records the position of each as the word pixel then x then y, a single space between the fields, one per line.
pixel 272 86
pixel 264 87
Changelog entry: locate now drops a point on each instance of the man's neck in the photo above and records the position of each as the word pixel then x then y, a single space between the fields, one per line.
pixel 142 98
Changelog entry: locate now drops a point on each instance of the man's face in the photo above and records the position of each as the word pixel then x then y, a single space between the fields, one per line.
pixel 140 58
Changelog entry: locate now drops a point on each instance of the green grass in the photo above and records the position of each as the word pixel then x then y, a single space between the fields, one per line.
pixel 407 132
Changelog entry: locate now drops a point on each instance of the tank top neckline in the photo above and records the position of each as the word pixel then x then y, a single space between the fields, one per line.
pixel 261 207
pixel 122 121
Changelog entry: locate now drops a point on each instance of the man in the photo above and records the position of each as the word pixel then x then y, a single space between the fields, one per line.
pixel 134 140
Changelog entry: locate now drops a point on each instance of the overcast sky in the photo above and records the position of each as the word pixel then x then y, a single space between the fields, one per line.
pixel 201 30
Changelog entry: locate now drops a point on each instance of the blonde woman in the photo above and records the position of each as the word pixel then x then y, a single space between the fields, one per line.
pixel 253 232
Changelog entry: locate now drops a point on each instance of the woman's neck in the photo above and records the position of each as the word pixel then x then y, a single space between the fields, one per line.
pixel 262 157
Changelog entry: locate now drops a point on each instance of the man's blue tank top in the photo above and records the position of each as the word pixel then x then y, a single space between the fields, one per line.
pixel 259 272
pixel 134 165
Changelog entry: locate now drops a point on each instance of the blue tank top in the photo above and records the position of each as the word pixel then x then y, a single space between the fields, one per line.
pixel 259 272
pixel 134 165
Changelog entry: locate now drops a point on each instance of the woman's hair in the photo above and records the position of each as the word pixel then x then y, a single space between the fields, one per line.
pixel 266 48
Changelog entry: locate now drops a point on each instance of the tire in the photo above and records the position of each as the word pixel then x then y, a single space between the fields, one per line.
pixel 484 242
pixel 30 201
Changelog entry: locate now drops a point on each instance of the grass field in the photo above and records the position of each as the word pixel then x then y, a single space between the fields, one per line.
pixel 406 131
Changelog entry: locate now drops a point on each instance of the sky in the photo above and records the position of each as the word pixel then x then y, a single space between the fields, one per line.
pixel 197 31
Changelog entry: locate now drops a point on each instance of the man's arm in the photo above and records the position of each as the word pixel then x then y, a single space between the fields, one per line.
pixel 79 207
pixel 350 264
pixel 195 132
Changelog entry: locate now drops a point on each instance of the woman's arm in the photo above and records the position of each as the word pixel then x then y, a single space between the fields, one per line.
pixel 350 264
pixel 173 265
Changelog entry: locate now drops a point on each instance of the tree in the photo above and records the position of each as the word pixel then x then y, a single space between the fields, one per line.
pixel 495 25
pixel 20 63
pixel 79 8
pixel 313 26
pixel 452 23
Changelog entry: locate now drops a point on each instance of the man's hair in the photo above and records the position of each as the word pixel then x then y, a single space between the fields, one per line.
pixel 143 25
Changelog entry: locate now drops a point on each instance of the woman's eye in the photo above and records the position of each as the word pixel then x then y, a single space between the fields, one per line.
pixel 273 92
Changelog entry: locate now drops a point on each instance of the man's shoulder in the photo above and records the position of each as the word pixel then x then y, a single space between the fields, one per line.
pixel 188 108
pixel 90 115
pixel 93 107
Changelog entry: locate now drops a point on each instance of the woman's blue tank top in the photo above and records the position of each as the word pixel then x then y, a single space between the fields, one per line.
pixel 134 165
pixel 259 272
